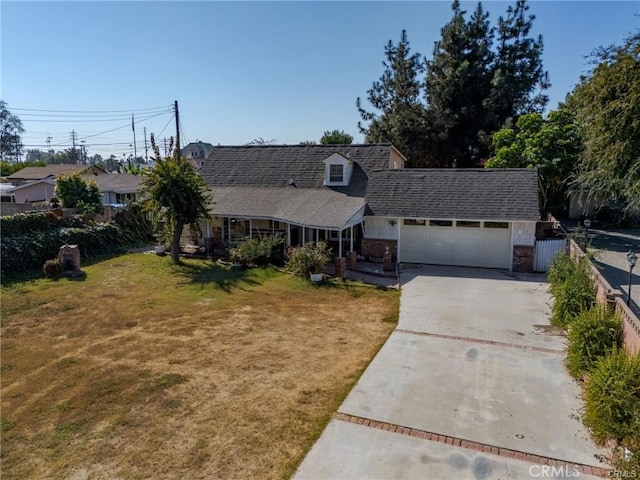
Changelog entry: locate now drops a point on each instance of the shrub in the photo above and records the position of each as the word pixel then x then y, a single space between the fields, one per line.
pixel 612 397
pixel 52 268
pixel 562 267
pixel 594 334
pixel 255 251
pixel 576 294
pixel 309 258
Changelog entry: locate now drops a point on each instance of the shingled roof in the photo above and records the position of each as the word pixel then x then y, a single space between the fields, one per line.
pixel 50 171
pixel 286 182
pixel 281 165
pixel 478 194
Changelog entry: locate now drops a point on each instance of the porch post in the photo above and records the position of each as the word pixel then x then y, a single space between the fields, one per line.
pixel 340 243
pixel 288 234
pixel 351 240
pixel 250 229
pixel 303 232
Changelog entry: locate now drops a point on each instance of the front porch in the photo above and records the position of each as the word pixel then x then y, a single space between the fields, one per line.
pixel 223 233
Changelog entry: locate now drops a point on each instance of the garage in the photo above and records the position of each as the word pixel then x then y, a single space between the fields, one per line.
pixel 456 242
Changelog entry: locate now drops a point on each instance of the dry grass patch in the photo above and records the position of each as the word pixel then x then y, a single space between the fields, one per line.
pixel 145 370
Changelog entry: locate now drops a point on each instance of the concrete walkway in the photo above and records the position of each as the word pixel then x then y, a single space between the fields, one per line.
pixel 471 384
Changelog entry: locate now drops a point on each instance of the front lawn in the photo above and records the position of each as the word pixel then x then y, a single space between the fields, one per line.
pixel 146 370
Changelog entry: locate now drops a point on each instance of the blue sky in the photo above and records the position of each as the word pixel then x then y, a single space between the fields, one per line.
pixel 241 70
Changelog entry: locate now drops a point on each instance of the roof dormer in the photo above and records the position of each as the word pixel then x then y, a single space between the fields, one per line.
pixel 337 170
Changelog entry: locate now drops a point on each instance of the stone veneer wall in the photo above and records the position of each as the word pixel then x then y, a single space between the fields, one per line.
pixel 523 258
pixel 376 248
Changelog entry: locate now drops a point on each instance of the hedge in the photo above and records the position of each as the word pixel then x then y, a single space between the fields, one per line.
pixel 29 252
pixel 28 223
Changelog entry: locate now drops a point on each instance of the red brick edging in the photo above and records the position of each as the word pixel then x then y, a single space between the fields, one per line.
pixel 471 445
pixel 479 340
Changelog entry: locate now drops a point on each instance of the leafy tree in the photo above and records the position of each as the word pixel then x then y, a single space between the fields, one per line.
pixel 552 146
pixel 10 134
pixel 177 194
pixel 398 115
pixel 74 192
pixel 607 109
pixel 336 137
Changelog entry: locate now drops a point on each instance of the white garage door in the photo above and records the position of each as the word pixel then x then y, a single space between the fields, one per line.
pixel 465 243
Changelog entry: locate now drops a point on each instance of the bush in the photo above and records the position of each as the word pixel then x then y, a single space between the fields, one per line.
pixel 612 397
pixel 309 258
pixel 25 223
pixel 594 334
pixel 52 268
pixel 562 267
pixel 255 251
pixel 576 294
pixel 28 252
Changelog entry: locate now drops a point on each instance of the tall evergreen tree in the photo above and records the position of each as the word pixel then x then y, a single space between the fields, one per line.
pixel 518 71
pixel 456 86
pixel 398 115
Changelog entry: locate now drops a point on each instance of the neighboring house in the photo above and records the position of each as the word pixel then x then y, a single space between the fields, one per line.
pixel 197 152
pixel 35 191
pixel 360 198
pixel 37 184
pixel 33 174
pixel 117 188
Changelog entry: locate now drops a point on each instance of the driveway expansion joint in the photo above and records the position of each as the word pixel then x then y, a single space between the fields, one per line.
pixel 479 340
pixel 470 444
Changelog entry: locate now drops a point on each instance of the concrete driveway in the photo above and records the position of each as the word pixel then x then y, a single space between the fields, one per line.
pixel 471 384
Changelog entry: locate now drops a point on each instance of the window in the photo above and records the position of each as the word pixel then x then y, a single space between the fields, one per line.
pixel 336 174
pixel 467 224
pixel 440 223
pixel 496 224
pixel 409 221
pixel 194 154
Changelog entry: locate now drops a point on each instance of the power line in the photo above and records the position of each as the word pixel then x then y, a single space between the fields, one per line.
pixel 138 110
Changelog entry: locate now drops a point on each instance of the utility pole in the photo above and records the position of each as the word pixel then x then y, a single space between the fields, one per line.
pixel 74 135
pixel 177 146
pixel 133 126
pixel 49 144
pixel 146 147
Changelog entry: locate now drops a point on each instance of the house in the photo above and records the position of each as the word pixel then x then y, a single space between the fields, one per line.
pixel 117 188
pixel 37 184
pixel 33 174
pixel 197 152
pixel 359 198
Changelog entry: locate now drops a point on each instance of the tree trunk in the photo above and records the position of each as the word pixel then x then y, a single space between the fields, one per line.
pixel 175 244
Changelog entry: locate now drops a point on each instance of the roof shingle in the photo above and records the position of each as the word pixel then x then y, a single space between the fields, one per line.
pixel 475 194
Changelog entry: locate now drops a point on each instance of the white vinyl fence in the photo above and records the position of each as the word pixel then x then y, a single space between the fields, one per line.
pixel 545 251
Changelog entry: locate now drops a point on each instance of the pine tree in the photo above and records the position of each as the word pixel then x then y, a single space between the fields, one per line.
pixel 398 115
pixel 517 71
pixel 457 84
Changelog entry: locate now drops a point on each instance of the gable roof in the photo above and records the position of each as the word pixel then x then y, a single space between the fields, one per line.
pixel 49 181
pixel 489 194
pixel 117 182
pixel 282 165
pixel 286 182
pixel 53 170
